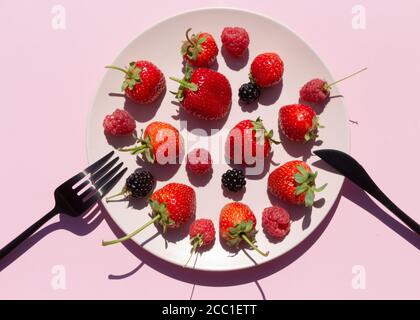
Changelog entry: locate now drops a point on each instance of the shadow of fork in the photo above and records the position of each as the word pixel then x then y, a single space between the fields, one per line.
pixel 80 226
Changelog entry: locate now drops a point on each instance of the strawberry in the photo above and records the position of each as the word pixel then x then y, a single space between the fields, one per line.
pixel 249 137
pixel 143 81
pixel 318 91
pixel 202 234
pixel 204 93
pixel 172 206
pixel 236 223
pixel 200 50
pixel 161 143
pixel 267 69
pixel 299 122
pixel 294 182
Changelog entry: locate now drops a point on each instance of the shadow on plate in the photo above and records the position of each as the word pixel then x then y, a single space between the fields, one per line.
pixel 299 149
pixel 319 107
pixel 271 95
pixel 120 141
pixel 199 181
pixel 146 112
pixel 159 172
pixel 235 63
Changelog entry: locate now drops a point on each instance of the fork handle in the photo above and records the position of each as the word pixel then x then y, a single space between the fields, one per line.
pixel 27 233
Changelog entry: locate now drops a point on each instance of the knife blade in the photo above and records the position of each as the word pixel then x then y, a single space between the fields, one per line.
pixel 354 171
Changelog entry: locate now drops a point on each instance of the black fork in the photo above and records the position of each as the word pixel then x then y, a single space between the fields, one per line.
pixel 77 195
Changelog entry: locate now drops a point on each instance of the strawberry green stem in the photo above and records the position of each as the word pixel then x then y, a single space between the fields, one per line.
pixel 134 150
pixel 193 250
pixel 124 193
pixel 253 246
pixel 345 78
pixel 185 84
pixel 188 37
pixel 132 234
pixel 117 68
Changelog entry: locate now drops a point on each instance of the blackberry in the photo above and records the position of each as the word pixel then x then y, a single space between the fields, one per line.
pixel 249 92
pixel 138 185
pixel 233 180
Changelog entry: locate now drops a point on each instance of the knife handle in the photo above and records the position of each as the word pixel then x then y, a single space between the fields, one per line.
pixel 382 198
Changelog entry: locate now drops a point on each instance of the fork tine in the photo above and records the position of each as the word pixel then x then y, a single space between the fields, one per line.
pixel 87 192
pixel 105 189
pixel 93 167
pixel 91 201
pixel 81 186
pixel 99 183
pixel 75 179
pixel 96 165
pixel 108 186
pixel 98 174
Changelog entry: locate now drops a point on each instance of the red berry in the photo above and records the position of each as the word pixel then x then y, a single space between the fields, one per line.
pixel 295 183
pixel 237 223
pixel 143 82
pixel 200 50
pixel 316 91
pixel 202 233
pixel 235 40
pixel 249 140
pixel 119 123
pixel 298 122
pixel 267 69
pixel 175 203
pixel 161 143
pixel 172 206
pixel 199 161
pixel 203 229
pixel 204 93
pixel 276 222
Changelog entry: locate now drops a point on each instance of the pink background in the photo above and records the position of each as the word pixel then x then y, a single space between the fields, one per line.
pixel 48 82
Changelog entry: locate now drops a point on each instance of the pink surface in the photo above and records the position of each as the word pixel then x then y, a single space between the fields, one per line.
pixel 48 82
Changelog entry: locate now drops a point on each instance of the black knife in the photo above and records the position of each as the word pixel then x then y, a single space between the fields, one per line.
pixel 351 169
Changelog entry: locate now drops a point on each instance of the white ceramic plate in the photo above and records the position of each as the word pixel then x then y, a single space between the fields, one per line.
pixel 160 44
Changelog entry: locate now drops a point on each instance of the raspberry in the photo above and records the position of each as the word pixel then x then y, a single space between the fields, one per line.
pixel 235 40
pixel 119 123
pixel 276 222
pixel 202 233
pixel 203 229
pixel 316 91
pixel 199 161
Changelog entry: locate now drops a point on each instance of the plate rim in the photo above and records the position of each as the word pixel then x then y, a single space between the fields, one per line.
pixel 329 74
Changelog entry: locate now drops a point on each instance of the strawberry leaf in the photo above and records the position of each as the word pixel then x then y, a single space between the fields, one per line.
pixel 301 189
pixel 320 189
pixel 299 178
pixel 161 210
pixel 302 170
pixel 309 198
pixel 236 232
